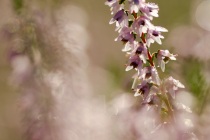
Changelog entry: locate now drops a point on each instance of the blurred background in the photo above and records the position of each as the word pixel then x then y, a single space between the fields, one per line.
pixel 68 44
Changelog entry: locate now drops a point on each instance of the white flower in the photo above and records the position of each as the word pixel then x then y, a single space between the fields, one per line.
pixel 135 5
pixel 125 35
pixel 134 63
pixel 154 34
pixel 130 47
pixel 121 20
pixel 141 50
pixel 163 56
pixel 150 72
pixel 114 6
pixel 150 10
pixel 172 85
pixel 141 25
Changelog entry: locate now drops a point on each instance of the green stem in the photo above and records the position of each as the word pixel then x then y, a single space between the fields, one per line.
pixel 169 106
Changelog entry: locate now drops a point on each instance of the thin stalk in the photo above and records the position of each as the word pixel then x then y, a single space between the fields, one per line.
pixel 169 106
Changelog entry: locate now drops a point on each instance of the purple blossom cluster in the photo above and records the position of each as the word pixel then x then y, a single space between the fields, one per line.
pixel 137 34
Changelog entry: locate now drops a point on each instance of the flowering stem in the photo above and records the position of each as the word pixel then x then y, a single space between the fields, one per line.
pixel 146 82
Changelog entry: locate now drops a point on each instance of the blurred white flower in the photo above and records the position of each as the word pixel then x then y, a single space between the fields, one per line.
pixel 202 15
pixel 201 50
pixel 177 39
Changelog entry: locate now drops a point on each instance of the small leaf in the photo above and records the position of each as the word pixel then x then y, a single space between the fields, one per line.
pixel 154 55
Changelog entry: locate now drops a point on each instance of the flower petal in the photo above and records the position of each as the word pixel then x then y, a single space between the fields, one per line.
pixel 162 65
pixel 128 68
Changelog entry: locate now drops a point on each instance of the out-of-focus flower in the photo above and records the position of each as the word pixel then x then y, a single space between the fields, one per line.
pixel 177 39
pixel 22 69
pixel 201 15
pixel 171 85
pixel 200 50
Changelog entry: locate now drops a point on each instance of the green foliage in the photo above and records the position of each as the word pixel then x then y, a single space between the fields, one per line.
pixel 17 5
pixel 192 73
pixel 195 81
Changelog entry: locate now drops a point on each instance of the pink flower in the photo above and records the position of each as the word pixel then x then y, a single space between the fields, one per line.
pixel 141 25
pixel 154 34
pixel 150 72
pixel 141 50
pixel 150 10
pixel 138 48
pixel 148 92
pixel 163 57
pixel 172 85
pixel 120 18
pixel 129 46
pixel 134 63
pixel 143 88
pixel 115 6
pixel 125 35
pixel 135 5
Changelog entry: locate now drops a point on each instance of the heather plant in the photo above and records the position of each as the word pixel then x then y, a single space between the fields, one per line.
pixel 159 113
pixel 46 47
pixel 137 33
